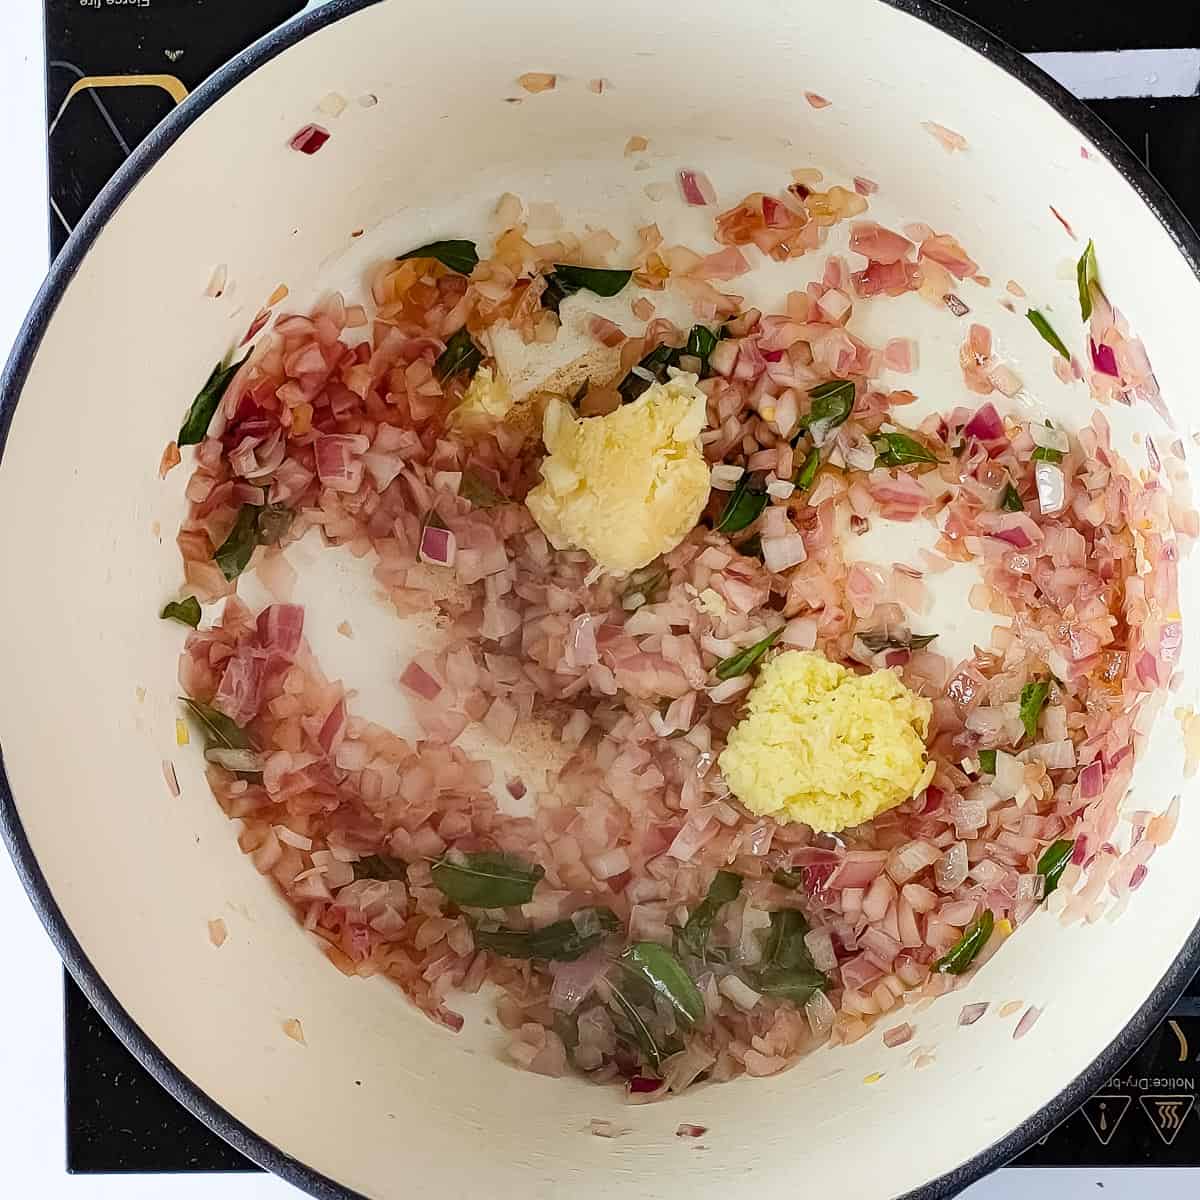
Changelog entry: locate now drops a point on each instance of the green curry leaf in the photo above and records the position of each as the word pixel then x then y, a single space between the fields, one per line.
pixel 693 937
pixel 456 253
pixel 658 967
pixel 899 450
pixel 804 477
pixel 1053 863
pixel 963 953
pixel 186 612
pixel 562 941
pixel 1033 700
pixel 1087 273
pixel 461 354
pixel 380 866
pixel 199 416
pixel 1011 500
pixel 220 733
pixel 233 554
pixel 740 663
pixel 744 506
pixel 1044 327
pixel 487 879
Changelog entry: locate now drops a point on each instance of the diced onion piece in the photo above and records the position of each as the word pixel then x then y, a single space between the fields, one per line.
pixel 800 632
pixel 438 546
pixel 1049 437
pixel 910 859
pixel 575 981
pixel 696 187
pixel 1009 777
pixel 1026 1023
pixel 309 139
pixel 724 476
pixel 1051 488
pixel 740 993
pixel 820 949
pixel 968 814
pixel 971 1013
pixel 951 869
pixel 985 425
pixel 898 1035
pixel 1031 887
pixel 727 689
pixel 1091 780
pixel 1055 756
pixel 779 553
pixel 289 838
pixel 610 863
pixel 418 680
pixel 781 489
pixel 819 1010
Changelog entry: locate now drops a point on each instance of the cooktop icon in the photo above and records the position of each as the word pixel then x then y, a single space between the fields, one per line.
pixel 1104 1113
pixel 1167 1114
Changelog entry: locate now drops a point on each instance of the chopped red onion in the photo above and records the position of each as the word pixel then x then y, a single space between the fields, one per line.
pixel 1051 488
pixel 820 949
pixel 1049 437
pixel 1004 379
pixel 907 861
pixel 1104 359
pixel 819 1010
pixel 800 632
pixel 418 680
pixel 575 981
pixel 780 553
pixel 697 190
pixel 1026 1023
pixel 1009 777
pixel 724 357
pixel 1055 756
pixel 1091 780
pixel 739 993
pixel 438 546
pixel 951 869
pixel 971 1013
pixel 898 1035
pixel 724 476
pixel 309 139
pixel 692 1131
pixel 985 425
pixel 641 1085
pixel 1031 887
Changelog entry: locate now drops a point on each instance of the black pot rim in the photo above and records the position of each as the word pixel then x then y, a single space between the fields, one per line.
pixel 183 1089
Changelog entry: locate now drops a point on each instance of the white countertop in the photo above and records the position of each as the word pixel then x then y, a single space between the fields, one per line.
pixel 32 1134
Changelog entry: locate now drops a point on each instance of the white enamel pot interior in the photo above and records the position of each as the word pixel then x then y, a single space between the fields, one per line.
pixel 380 1101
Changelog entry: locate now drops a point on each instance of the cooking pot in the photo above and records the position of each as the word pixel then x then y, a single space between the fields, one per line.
pixel 376 1100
